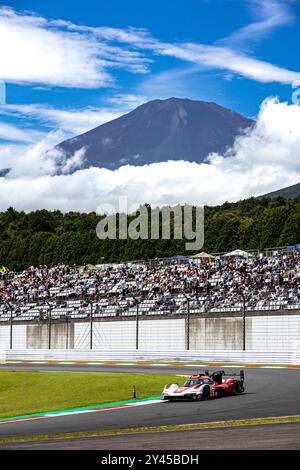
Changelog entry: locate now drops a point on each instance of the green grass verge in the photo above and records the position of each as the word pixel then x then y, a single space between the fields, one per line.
pixel 27 392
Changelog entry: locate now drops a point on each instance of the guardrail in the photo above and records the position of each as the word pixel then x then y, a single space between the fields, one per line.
pixel 196 356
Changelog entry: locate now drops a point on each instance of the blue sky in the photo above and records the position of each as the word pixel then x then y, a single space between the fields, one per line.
pixel 69 66
pixel 207 22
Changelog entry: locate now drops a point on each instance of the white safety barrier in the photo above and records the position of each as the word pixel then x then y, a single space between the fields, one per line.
pixel 195 356
pixel 2 357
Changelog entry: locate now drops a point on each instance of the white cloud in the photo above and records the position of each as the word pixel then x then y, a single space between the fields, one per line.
pixel 269 15
pixel 272 14
pixel 60 53
pixel 9 154
pixel 173 82
pixel 264 160
pixel 127 102
pixel 72 121
pixel 38 51
pixel 13 133
pixel 229 59
pixel 74 162
pixel 39 159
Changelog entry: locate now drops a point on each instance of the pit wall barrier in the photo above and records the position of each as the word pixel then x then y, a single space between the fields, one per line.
pixel 168 356
pixel 260 333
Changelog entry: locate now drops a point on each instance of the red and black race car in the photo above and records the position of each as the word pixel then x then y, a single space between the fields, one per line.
pixel 205 386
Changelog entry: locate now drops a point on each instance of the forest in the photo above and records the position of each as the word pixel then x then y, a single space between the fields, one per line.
pixel 52 237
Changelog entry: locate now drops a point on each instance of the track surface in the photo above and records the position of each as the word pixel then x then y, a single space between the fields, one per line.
pixel 268 437
pixel 269 392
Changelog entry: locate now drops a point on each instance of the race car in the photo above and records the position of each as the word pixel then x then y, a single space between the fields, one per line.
pixel 206 386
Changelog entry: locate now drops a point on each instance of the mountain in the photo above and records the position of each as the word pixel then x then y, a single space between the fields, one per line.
pixel 288 192
pixel 160 130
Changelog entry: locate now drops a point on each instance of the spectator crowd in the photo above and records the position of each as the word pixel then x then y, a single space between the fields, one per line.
pixel 259 281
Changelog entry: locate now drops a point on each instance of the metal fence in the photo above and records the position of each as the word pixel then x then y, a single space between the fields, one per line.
pixel 87 323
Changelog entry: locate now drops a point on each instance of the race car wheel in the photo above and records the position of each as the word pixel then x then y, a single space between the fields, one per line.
pixel 237 388
pixel 206 393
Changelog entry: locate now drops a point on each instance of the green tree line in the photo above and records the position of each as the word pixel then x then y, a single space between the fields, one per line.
pixel 51 237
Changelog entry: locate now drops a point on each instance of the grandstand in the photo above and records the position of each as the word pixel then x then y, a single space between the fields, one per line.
pixel 215 285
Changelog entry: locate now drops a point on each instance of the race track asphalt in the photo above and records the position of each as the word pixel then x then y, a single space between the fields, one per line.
pixel 267 437
pixel 269 393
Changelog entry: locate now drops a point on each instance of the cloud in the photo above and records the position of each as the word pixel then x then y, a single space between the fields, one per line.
pixel 173 81
pixel 72 121
pixel 228 59
pixel 60 53
pixel 10 132
pixel 265 159
pixel 39 51
pixel 269 14
pixel 39 159
pixel 272 12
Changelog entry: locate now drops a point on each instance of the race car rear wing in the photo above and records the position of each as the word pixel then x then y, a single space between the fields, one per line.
pixel 241 375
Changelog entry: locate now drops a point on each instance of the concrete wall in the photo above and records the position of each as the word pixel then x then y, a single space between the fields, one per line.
pixel 263 333
pixel 218 333
pixel 19 337
pixel 115 335
pixel 62 336
pixel 277 333
pixel 157 335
